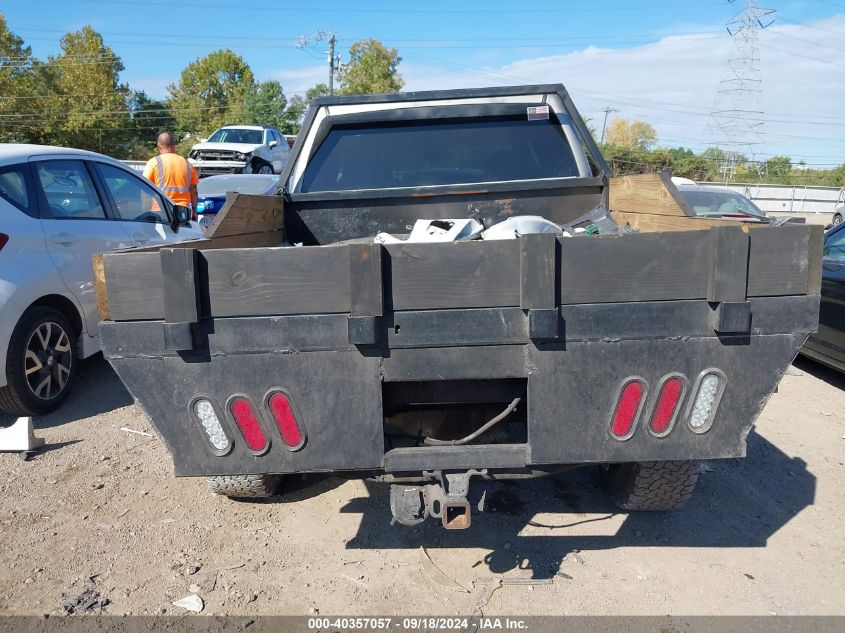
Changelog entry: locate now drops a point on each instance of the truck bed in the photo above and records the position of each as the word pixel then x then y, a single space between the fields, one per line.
pixel 348 332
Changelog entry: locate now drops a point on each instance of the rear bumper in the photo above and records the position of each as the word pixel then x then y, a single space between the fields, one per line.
pixel 572 383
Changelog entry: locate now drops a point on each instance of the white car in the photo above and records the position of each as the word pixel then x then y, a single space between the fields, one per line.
pixel 241 149
pixel 58 208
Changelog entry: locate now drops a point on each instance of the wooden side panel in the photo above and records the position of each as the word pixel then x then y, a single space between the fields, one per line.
pixel 779 261
pixel 457 274
pixel 249 240
pixel 134 286
pixel 645 267
pixel 656 223
pixel 654 194
pixel 595 269
pixel 243 282
pixel 244 213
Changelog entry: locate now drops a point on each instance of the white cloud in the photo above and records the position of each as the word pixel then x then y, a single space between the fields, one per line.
pixel 672 83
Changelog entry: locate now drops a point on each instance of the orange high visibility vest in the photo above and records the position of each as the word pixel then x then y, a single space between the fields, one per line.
pixel 174 176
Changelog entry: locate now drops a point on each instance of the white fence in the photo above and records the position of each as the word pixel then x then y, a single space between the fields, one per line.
pixel 788 198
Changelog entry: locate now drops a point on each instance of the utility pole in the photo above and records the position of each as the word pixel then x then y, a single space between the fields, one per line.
pixel 310 42
pixel 333 61
pixel 606 111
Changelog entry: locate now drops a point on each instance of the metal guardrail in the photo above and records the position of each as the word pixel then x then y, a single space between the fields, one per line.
pixel 788 198
pixel 137 165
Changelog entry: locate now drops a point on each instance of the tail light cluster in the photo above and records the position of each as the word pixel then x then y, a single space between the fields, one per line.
pixel 667 406
pixel 250 424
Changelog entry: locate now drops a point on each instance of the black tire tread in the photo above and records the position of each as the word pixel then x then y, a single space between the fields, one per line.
pixel 652 486
pixel 11 401
pixel 245 486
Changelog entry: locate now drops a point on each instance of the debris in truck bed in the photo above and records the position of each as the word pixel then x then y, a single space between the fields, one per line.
pixel 456 230
pixel 522 225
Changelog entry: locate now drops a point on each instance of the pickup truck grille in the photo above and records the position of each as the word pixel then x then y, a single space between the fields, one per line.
pixel 215 155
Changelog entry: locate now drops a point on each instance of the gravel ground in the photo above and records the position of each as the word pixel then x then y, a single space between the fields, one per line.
pixel 98 516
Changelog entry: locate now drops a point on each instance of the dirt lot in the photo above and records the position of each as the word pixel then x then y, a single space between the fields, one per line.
pixel 762 535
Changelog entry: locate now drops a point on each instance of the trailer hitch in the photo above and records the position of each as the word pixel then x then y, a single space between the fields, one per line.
pixel 448 500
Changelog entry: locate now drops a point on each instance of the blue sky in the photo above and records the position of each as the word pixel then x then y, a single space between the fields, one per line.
pixel 656 60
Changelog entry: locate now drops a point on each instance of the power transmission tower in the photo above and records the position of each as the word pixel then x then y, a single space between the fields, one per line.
pixel 736 119
pixel 606 111
pixel 306 41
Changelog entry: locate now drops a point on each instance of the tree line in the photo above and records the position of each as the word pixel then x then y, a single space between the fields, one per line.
pixel 76 98
pixel 630 148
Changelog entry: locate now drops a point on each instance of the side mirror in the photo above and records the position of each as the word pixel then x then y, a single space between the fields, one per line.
pixel 272 144
pixel 181 215
pixel 203 140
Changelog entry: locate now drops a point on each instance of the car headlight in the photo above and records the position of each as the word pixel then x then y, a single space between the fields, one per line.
pixel 240 156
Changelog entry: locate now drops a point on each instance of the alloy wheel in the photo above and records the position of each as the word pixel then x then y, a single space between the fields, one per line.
pixel 48 360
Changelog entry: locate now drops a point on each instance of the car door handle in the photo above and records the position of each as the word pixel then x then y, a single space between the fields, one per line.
pixel 63 238
pixel 141 238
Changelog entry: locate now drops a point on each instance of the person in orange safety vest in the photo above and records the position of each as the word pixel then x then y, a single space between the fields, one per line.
pixel 174 175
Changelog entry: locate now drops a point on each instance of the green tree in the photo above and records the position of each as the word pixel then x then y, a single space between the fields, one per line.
pixel 16 84
pixel 211 92
pixel 633 134
pixel 149 117
pixel 265 104
pixel 779 168
pixel 371 69
pixel 298 105
pixel 87 105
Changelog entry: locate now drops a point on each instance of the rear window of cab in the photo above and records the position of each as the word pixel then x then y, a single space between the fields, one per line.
pixel 442 152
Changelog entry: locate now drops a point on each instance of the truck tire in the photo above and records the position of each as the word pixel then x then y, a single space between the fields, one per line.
pixel 262 167
pixel 245 486
pixel 651 486
pixel 41 363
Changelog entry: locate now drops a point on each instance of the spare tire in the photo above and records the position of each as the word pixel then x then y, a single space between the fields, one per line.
pixel 245 486
pixel 651 486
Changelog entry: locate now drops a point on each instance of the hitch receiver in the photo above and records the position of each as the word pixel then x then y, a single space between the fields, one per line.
pixel 447 501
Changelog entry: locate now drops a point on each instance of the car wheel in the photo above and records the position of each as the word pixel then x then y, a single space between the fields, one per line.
pixel 265 168
pixel 651 486
pixel 41 363
pixel 837 219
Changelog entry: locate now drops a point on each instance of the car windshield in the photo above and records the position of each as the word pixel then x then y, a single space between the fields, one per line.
pixel 237 135
pixel 718 203
pixel 424 153
pixel 247 183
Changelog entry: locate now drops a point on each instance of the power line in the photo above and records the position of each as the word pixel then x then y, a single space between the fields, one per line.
pixel 361 10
